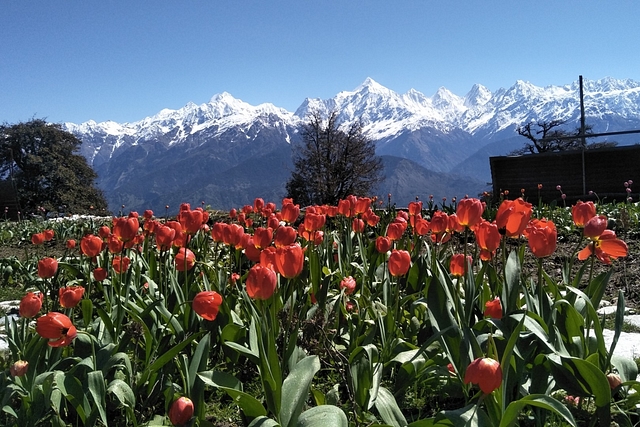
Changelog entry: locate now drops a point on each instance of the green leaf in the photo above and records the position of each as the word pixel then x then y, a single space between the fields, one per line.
pixel 251 406
pixel 263 421
pixel 510 416
pixel 295 389
pixel 388 408
pixel 122 392
pixel 323 416
pixel 469 416
pixel 98 393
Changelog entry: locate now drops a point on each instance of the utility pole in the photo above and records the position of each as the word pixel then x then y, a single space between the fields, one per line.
pixel 583 138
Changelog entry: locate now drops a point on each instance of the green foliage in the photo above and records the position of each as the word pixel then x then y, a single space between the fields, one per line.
pixel 41 162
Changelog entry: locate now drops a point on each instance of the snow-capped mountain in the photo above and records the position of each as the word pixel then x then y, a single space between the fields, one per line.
pixel 227 151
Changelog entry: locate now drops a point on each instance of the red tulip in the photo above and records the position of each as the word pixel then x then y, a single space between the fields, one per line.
pixel 251 252
pixel 258 204
pixel 217 231
pixel 71 244
pixel 104 231
pixel 345 208
pixel 91 245
pixel 147 214
pixel 469 212
pixel 206 304
pixel 357 225
pixel 290 212
pixel 262 237
pixel 70 296
pixel 99 274
pixel 371 218
pixel 399 262
pixel 383 244
pixel 362 205
pixel 37 239
pixel 125 228
pixel 439 222
pixel 582 212
pixel 232 234
pixel 289 260
pixel 30 304
pixel 421 226
pixel 493 309
pixel 114 244
pixel 415 208
pixel 314 221
pixel 513 216
pixel 191 221
pixel 542 235
pixel 488 239
pixel 181 411
pixel 485 372
pixel 47 268
pixel 458 264
pixel 120 264
pixel 164 237
pixel 57 328
pixel 396 229
pixel 261 282
pixel 185 259
pixel 48 235
pixel 348 284
pixel 285 236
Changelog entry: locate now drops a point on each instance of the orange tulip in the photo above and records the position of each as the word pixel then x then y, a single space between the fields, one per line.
pixel 439 222
pixel 70 296
pixel 469 212
pixel 185 259
pixel 181 411
pixel 493 309
pixel 513 217
pixel 362 204
pixel 543 236
pixel 206 304
pixel 582 212
pixel 57 328
pixel 30 305
pixel 371 218
pixel 604 244
pixel 485 372
pixel 458 264
pixel 399 262
pixel 261 282
pixel 289 260
pixel 47 268
pixel 91 245
pixel 191 220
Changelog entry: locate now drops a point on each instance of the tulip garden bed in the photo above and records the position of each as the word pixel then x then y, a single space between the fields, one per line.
pixel 337 316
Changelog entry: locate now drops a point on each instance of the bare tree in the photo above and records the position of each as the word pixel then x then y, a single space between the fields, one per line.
pixel 544 137
pixel 331 163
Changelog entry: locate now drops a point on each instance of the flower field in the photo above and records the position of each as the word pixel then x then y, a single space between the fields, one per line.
pixel 359 314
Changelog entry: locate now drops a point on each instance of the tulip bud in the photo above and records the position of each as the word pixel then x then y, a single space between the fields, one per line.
pixel 19 368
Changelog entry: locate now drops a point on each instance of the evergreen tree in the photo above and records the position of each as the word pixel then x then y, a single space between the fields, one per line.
pixel 41 162
pixel 331 163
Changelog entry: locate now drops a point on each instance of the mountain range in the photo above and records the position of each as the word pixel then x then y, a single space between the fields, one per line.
pixel 227 152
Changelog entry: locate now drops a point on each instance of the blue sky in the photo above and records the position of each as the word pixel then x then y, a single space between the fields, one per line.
pixel 72 61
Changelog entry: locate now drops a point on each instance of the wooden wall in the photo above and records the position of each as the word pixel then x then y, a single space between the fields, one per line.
pixel 606 171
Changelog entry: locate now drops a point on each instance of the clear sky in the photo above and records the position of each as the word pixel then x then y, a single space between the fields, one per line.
pixel 73 61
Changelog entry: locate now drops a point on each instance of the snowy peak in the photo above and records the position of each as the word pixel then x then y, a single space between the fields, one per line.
pixel 477 96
